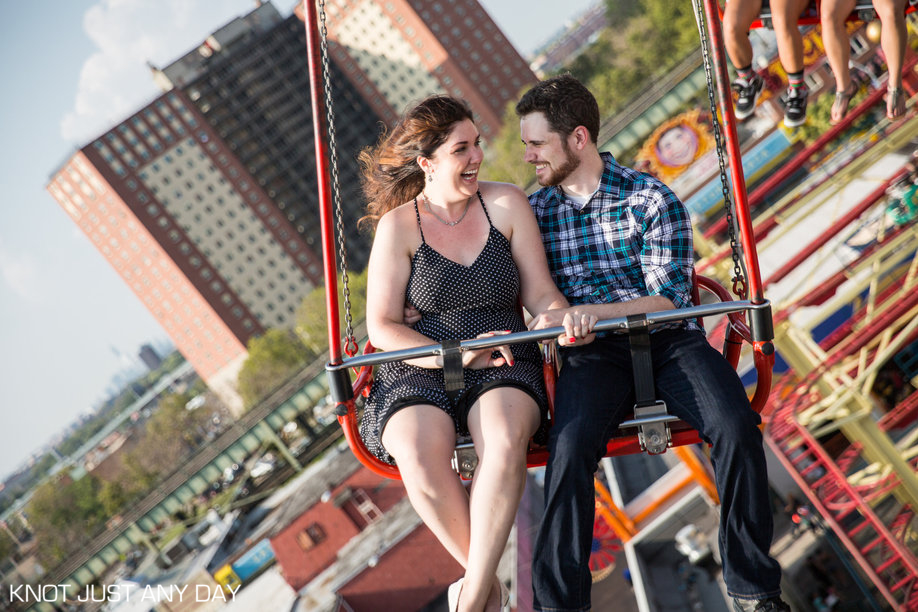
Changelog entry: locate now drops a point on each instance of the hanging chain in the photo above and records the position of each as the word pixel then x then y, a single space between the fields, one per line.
pixel 350 342
pixel 739 279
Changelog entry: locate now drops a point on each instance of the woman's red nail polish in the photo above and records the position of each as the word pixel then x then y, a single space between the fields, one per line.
pixel 572 339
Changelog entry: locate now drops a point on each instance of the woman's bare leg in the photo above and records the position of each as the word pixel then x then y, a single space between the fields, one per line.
pixel 501 424
pixel 835 39
pixel 422 439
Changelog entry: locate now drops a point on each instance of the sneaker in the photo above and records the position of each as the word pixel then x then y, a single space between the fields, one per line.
pixel 795 107
pixel 772 604
pixel 747 93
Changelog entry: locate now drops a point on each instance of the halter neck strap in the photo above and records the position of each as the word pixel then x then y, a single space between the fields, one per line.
pixel 417 213
pixel 483 207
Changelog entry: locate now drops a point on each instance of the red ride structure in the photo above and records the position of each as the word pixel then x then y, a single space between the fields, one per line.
pixel 750 315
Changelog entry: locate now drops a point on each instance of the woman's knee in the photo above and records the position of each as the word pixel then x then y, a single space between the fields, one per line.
pixel 890 11
pixel 733 30
pixel 738 17
pixel 505 439
pixel 423 469
pixel 506 415
pixel 834 13
pixel 419 435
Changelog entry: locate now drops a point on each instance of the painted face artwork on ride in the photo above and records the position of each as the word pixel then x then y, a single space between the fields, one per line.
pixel 675 145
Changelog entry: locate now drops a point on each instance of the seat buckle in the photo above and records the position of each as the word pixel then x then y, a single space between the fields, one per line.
pixel 652 422
pixel 465 460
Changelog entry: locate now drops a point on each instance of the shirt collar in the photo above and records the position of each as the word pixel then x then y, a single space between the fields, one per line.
pixel 611 177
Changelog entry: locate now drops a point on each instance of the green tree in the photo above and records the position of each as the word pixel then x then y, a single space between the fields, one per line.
pixel 311 317
pixel 139 470
pixel 64 516
pixel 113 497
pixel 273 358
pixel 7 546
pixel 504 156
pixel 173 432
pixel 41 467
pixel 172 419
pixel 620 10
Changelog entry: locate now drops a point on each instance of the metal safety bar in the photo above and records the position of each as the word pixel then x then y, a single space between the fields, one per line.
pixel 759 318
pixel 618 324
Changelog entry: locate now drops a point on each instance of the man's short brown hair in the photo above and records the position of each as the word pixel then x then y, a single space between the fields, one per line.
pixel 566 104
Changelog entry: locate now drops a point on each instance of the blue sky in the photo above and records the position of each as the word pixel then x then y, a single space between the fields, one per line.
pixel 71 69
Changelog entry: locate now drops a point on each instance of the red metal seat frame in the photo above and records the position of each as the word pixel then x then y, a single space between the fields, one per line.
pixel 624 442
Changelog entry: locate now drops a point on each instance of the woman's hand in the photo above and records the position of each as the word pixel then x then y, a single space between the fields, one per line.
pixel 483 358
pixel 412 314
pixel 578 324
pixel 578 328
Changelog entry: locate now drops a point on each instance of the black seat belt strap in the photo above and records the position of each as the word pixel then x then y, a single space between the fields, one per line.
pixel 641 360
pixel 453 378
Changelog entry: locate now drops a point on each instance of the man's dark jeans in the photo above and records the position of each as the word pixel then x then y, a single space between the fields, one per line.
pixel 595 391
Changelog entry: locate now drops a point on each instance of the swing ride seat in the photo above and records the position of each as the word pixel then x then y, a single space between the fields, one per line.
pixel 863 11
pixel 758 332
pixel 625 441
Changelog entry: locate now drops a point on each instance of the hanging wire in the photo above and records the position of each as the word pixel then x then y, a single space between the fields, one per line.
pixel 739 277
pixel 350 342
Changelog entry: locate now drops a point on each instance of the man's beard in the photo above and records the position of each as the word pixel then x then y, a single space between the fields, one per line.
pixel 556 176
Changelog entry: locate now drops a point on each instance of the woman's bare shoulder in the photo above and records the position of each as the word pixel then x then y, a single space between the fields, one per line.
pixel 504 197
pixel 397 225
pixel 500 191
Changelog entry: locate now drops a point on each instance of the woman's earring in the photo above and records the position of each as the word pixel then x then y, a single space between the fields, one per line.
pixel 430 177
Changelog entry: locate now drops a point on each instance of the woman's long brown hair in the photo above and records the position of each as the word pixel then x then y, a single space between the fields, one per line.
pixel 390 174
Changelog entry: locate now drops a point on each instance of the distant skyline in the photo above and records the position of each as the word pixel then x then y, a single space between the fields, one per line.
pixel 72 70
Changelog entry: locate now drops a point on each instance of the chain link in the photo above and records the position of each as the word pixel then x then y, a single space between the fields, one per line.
pixel 739 279
pixel 350 342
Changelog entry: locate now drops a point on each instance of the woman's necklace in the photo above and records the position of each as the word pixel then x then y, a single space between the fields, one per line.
pixel 441 219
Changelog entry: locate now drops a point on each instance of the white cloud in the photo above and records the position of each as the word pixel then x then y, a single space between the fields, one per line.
pixel 18 272
pixel 115 81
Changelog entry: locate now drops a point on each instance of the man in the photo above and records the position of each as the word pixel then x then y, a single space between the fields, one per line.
pixel 738 16
pixel 619 242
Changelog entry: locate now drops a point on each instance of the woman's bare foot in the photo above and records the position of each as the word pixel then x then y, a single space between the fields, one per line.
pixel 895 103
pixel 840 105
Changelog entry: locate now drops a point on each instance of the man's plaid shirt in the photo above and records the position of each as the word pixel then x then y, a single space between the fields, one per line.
pixel 633 238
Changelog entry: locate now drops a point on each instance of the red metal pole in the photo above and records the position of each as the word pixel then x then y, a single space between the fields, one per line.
pixel 326 218
pixel 725 99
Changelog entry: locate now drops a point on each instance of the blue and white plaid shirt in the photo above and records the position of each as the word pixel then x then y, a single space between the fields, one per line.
pixel 632 238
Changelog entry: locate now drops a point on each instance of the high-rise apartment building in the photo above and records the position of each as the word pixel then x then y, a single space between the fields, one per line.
pixel 396 52
pixel 194 235
pixel 204 200
pixel 250 81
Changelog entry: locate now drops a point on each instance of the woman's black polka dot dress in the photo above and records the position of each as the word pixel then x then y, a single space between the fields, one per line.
pixel 456 302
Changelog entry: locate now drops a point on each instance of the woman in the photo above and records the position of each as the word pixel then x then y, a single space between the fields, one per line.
pixel 838 51
pixel 463 253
